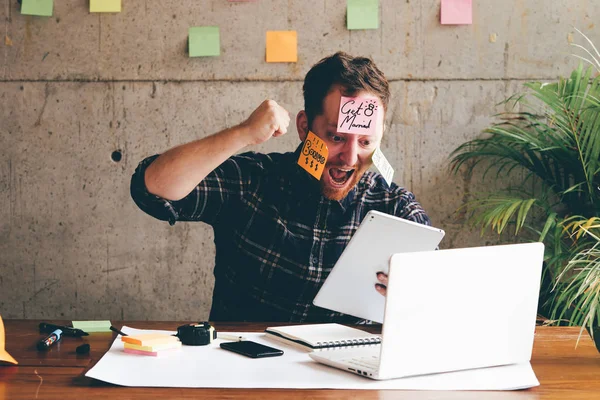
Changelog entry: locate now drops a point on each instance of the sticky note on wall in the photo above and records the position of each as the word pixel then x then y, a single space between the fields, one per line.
pixel 282 46
pixel 41 8
pixel 362 14
pixel 110 6
pixel 204 41
pixel 457 12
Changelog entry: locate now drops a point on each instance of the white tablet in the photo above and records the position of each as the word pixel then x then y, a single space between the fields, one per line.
pixel 350 287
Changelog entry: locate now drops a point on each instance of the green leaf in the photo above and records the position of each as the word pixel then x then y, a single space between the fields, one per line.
pixel 548 147
pixel 550 222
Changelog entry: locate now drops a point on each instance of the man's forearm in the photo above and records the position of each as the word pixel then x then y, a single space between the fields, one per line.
pixel 175 173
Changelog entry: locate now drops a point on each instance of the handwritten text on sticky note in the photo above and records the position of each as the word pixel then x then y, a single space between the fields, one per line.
pixel 358 115
pixel 383 165
pixel 457 12
pixel 313 155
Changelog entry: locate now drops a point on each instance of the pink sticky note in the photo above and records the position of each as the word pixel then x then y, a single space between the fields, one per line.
pixel 149 353
pixel 358 115
pixel 457 12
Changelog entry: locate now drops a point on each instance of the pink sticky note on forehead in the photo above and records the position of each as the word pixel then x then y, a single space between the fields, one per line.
pixel 358 115
pixel 457 12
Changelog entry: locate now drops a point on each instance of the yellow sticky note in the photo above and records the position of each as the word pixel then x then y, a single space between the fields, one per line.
pixel 153 347
pixel 113 6
pixel 282 46
pixel 313 155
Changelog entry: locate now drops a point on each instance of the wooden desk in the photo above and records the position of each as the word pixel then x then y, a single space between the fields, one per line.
pixel 563 371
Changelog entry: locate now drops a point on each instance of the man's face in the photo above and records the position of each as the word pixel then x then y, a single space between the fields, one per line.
pixel 349 154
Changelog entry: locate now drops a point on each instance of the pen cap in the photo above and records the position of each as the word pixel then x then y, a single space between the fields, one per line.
pixel 83 349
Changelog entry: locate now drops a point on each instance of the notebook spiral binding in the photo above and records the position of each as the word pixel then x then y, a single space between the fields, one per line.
pixel 351 342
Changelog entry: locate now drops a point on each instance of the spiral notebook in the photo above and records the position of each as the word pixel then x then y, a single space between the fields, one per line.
pixel 322 336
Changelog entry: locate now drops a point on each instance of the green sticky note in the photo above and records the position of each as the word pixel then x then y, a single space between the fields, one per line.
pixel 204 41
pixel 92 326
pixel 363 14
pixel 42 8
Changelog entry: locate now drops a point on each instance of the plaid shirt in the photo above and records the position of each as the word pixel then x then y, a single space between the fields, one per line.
pixel 277 238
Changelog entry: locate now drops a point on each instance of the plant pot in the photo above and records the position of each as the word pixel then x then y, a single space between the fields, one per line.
pixel 596 336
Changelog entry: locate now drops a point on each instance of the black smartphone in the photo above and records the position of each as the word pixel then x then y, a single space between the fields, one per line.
pixel 251 349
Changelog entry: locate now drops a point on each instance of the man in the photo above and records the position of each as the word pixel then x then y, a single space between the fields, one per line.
pixel 278 230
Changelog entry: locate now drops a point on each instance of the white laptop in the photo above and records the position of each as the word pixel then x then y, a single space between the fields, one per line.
pixel 349 288
pixel 452 310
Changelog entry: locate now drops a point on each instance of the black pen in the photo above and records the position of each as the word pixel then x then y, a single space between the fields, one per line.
pixel 66 330
pixel 112 328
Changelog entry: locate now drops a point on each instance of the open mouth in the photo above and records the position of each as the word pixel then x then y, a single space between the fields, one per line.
pixel 340 176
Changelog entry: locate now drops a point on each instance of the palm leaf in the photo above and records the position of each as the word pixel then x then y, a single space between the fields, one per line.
pixel 497 211
pixel 552 146
pixel 578 288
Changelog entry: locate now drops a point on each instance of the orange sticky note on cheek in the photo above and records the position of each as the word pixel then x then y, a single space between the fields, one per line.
pixel 313 155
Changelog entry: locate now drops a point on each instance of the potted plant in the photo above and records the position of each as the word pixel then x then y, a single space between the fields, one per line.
pixel 548 148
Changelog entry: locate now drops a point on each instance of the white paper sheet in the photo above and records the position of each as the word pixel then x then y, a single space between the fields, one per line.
pixel 212 367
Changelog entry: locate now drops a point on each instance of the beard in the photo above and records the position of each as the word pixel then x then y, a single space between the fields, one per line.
pixel 338 193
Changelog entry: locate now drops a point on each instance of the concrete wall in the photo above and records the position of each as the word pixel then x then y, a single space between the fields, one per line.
pixel 76 87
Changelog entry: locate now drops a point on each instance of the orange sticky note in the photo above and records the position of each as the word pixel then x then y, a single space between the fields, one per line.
pixel 313 156
pixel 149 339
pixel 4 356
pixel 282 46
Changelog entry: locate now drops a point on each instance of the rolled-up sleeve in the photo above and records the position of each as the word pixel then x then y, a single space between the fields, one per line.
pixel 207 201
pixel 151 204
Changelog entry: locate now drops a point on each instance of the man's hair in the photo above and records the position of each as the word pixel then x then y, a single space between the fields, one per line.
pixel 354 74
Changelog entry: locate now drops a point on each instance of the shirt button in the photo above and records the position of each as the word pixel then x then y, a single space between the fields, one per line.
pixel 315 260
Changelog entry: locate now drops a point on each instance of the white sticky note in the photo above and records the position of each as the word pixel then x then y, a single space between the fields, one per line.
pixel 383 165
